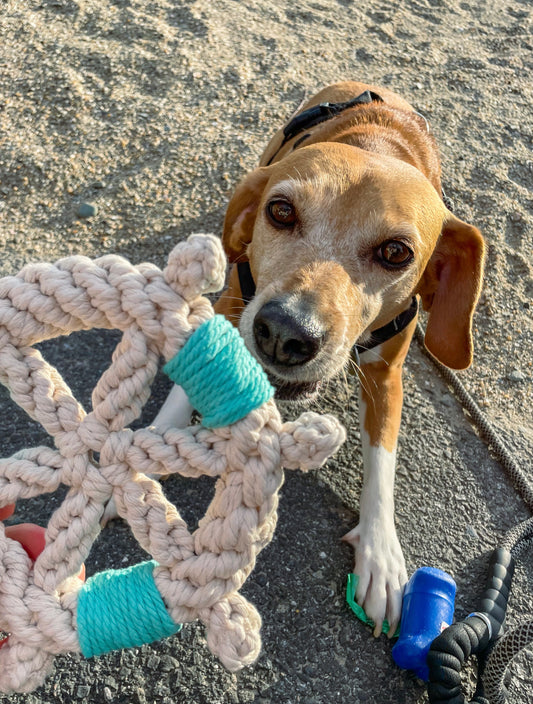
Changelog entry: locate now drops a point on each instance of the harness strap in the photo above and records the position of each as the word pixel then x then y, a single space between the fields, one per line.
pixel 389 330
pixel 379 336
pixel 246 282
pixel 320 113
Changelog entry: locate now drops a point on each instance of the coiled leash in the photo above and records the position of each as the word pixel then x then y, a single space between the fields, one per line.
pixel 482 632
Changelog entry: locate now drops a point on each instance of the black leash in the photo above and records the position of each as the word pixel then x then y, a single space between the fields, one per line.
pixel 482 632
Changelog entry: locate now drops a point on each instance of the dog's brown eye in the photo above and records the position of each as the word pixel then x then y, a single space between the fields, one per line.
pixel 281 213
pixel 394 254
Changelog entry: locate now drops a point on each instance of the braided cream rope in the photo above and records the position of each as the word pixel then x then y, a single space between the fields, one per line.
pixel 197 575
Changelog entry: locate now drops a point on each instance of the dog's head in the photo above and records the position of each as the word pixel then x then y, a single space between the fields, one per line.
pixel 339 240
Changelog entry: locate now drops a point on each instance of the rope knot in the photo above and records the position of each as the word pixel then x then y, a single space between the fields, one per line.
pixel 307 442
pixel 115 448
pixel 196 266
pixel 93 432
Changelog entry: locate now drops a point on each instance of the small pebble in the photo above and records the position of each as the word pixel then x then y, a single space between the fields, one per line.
pixel 87 210
pixel 261 579
pixel 168 663
pixel 471 532
pixel 447 400
pixel 153 661
pixel 83 691
pixel 516 375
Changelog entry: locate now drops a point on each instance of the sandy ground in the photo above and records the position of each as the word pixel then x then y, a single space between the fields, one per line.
pixel 151 111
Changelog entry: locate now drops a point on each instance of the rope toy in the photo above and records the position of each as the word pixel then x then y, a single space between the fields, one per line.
pixel 44 606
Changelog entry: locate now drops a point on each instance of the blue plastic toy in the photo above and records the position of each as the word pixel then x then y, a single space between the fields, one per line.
pixel 427 609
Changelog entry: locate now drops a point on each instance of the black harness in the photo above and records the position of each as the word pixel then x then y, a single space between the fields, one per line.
pixel 320 113
pixel 309 118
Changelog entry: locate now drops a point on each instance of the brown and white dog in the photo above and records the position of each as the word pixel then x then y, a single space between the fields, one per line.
pixel 339 228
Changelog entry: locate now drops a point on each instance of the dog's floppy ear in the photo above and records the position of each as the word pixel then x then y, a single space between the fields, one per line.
pixel 450 288
pixel 241 213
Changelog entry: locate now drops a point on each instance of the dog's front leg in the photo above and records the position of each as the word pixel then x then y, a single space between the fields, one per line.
pixel 379 559
pixel 176 412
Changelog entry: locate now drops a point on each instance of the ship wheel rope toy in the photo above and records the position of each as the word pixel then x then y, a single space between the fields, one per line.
pixel 45 609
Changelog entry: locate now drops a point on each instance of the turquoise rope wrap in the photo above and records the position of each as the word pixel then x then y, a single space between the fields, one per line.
pixel 122 609
pixel 219 375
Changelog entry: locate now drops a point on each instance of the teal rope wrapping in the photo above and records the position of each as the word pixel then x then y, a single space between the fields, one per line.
pixel 219 375
pixel 122 609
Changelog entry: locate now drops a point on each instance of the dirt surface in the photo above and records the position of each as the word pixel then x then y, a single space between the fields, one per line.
pixel 151 112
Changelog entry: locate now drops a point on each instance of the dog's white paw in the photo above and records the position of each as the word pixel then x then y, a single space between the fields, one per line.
pixel 380 565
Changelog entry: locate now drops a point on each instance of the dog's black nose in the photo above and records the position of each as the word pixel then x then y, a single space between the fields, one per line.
pixel 287 333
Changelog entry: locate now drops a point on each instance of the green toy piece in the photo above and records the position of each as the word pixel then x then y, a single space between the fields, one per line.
pixel 351 586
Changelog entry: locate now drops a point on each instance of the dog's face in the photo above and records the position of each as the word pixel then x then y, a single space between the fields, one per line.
pixel 338 241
